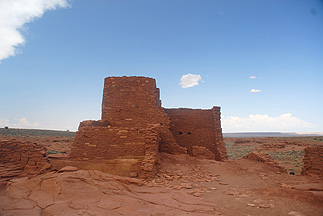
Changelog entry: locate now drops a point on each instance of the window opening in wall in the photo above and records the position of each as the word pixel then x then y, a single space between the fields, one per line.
pixel 189 133
pixel 180 132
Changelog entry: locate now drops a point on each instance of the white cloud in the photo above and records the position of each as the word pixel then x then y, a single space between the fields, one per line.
pixel 252 77
pixel 285 123
pixel 255 90
pixel 190 80
pixel 14 14
pixel 18 123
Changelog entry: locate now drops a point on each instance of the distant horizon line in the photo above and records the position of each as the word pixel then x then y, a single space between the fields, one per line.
pixel 243 132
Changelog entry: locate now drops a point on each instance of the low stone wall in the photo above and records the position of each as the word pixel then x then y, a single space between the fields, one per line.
pixel 19 158
pixel 265 158
pixel 95 143
pixel 313 160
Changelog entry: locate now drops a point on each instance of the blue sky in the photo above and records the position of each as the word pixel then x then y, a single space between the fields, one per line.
pixel 261 61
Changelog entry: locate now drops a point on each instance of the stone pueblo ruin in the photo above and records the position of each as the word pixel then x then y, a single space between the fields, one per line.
pixel 135 128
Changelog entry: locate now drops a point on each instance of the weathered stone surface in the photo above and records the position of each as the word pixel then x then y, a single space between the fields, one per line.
pixel 36 211
pixel 51 186
pixel 5 200
pixel 296 213
pixel 18 191
pixel 21 158
pixel 313 160
pixel 68 169
pixel 42 198
pixel 108 204
pixel 96 193
pixel 20 204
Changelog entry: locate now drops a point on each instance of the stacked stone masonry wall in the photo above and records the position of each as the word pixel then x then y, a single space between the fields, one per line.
pixel 131 102
pixel 218 134
pixel 264 158
pixel 199 131
pixel 19 158
pixel 148 164
pixel 110 142
pixel 94 143
pixel 313 160
pixel 135 102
